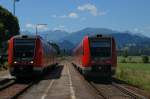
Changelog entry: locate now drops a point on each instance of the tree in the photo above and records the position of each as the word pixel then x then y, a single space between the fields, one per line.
pixel 56 47
pixel 145 59
pixel 125 53
pixel 9 25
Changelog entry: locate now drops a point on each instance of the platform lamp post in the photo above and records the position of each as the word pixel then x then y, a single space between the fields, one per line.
pixel 36 27
pixel 14 6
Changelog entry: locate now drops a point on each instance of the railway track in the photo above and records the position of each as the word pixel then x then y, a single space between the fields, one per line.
pixel 3 81
pixel 115 91
pixel 127 91
pixel 6 83
pixel 15 89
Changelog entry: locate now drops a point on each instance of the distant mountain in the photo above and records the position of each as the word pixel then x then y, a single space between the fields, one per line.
pixel 66 45
pixel 52 35
pixel 76 37
pixel 123 39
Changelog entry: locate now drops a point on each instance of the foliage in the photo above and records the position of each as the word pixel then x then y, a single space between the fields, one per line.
pixel 123 60
pixel 56 47
pixel 130 59
pixel 145 59
pixel 125 54
pixel 9 25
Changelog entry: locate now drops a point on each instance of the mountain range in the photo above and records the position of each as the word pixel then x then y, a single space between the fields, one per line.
pixel 67 40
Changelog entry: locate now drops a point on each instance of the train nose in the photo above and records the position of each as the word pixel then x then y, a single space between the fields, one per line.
pixel 101 62
pixel 24 62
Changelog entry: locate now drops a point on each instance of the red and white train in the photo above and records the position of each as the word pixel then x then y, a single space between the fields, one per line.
pixel 96 56
pixel 30 55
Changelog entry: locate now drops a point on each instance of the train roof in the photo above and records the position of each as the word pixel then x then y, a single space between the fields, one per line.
pixel 27 36
pixel 100 36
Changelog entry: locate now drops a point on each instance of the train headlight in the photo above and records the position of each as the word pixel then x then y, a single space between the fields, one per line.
pixel 31 62
pixel 15 62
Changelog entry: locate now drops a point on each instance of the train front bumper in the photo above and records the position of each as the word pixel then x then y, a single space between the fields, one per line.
pixel 104 70
pixel 25 71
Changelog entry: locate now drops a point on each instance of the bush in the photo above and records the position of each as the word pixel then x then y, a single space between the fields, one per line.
pixel 123 60
pixel 145 59
pixel 125 53
pixel 130 59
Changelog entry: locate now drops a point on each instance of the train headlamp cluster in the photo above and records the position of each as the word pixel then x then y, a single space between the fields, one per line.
pixel 31 62
pixel 15 62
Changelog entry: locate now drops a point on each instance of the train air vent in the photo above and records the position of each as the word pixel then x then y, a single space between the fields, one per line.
pixel 99 35
pixel 24 36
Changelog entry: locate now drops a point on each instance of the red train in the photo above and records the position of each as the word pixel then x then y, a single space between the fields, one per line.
pixel 96 56
pixel 30 55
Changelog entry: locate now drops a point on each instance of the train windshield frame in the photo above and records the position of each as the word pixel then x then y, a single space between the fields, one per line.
pixel 24 49
pixel 101 47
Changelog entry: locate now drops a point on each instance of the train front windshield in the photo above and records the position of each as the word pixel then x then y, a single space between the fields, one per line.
pixel 24 49
pixel 100 48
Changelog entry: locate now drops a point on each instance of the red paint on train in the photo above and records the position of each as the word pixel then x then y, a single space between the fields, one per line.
pixel 29 55
pixel 96 55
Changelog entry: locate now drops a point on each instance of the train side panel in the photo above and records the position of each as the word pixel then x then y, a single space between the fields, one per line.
pixel 114 57
pixel 93 64
pixel 38 57
pixel 86 53
pixel 10 52
pixel 42 56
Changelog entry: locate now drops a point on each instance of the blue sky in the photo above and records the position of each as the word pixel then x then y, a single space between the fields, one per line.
pixel 73 15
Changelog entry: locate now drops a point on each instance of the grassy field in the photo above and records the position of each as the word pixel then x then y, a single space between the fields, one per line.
pixel 135 72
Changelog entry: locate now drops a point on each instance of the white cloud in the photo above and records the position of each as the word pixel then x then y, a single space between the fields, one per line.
pixel 92 9
pixel 42 27
pixel 60 27
pixel 32 26
pixel 29 25
pixel 71 15
pixel 136 30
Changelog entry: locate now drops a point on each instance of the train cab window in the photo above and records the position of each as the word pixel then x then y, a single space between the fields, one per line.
pixel 24 49
pixel 100 48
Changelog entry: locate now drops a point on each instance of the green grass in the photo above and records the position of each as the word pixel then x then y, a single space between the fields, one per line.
pixel 136 73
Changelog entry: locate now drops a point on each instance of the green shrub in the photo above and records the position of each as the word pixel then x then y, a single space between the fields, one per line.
pixel 145 59
pixel 125 53
pixel 130 59
pixel 123 60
